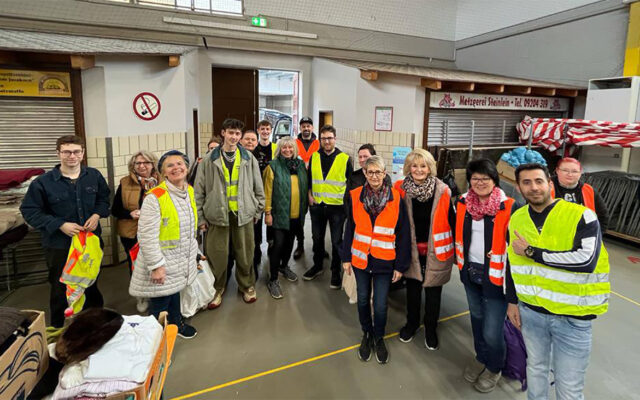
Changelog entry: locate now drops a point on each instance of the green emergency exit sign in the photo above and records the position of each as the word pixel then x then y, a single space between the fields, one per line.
pixel 259 21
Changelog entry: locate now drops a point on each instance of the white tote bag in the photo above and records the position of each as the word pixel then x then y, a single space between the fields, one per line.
pixel 199 294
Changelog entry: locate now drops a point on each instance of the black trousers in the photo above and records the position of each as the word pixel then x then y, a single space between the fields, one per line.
pixel 322 214
pixel 431 306
pixel 282 247
pixel 257 234
pixel 128 244
pixel 300 233
pixel 56 259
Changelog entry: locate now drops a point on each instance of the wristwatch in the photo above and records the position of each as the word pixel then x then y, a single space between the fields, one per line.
pixel 528 251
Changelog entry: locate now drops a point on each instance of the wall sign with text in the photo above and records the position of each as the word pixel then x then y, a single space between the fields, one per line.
pixel 474 101
pixel 24 83
pixel 384 119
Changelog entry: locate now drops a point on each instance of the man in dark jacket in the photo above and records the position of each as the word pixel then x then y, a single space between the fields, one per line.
pixel 358 179
pixel 61 203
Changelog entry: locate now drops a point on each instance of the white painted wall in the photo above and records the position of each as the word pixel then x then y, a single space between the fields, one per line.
pixel 334 89
pixel 94 102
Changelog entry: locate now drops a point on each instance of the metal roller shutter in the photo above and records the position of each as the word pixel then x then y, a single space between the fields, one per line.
pixel 454 126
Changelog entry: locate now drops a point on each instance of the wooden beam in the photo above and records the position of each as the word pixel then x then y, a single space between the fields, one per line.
pixel 430 83
pixel 518 89
pixel 489 87
pixel 567 92
pixel 174 61
pixel 369 75
pixel 8 57
pixel 460 86
pixel 543 91
pixel 82 62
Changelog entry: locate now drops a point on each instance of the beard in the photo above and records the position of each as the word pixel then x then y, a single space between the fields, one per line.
pixel 537 201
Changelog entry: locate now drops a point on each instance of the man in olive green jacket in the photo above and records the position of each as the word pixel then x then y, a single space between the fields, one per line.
pixel 230 198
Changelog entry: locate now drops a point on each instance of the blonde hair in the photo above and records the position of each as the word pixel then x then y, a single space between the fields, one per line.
pixel 420 155
pixel 375 161
pixel 147 156
pixel 287 140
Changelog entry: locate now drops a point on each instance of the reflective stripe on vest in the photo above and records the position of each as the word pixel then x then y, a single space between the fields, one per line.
pixel 378 240
pixel 306 154
pixel 169 220
pixel 231 181
pixel 588 196
pixel 556 290
pixel 498 256
pixel 329 190
pixel 441 231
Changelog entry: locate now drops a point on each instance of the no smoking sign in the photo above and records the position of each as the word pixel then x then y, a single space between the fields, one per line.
pixel 146 106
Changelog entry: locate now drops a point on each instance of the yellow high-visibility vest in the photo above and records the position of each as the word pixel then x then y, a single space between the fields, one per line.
pixel 273 150
pixel 329 190
pixel 169 221
pixel 557 290
pixel 231 181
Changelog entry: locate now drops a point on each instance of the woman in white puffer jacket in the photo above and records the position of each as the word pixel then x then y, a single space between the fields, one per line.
pixel 166 262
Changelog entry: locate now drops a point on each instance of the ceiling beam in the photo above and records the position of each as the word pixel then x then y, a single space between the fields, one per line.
pixel 567 92
pixel 489 87
pixel 82 62
pixel 431 83
pixel 174 61
pixel 460 86
pixel 543 91
pixel 369 75
pixel 518 89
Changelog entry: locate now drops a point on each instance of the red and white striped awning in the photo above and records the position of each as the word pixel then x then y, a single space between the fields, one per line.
pixel 552 133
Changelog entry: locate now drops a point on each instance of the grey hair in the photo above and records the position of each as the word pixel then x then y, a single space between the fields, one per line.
pixel 147 156
pixel 287 140
pixel 375 161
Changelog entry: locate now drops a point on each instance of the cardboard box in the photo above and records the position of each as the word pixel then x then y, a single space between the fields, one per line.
pixel 506 171
pixel 24 363
pixel 152 387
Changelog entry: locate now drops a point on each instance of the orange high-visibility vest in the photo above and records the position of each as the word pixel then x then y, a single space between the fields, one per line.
pixel 378 240
pixel 498 254
pixel 306 154
pixel 440 228
pixel 588 196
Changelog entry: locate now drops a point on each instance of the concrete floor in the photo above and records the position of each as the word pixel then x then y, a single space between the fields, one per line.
pixel 238 345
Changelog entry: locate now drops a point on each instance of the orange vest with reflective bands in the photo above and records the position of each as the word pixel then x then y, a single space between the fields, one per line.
pixel 306 154
pixel 498 254
pixel 378 240
pixel 587 196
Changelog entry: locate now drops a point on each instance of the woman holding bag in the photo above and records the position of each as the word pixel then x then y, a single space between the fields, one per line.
pixel 167 230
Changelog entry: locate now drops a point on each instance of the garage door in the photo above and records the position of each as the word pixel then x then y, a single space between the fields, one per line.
pixel 454 126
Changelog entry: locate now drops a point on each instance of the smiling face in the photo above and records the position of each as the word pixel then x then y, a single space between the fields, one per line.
pixel 265 132
pixel 142 167
pixel 306 129
pixel 175 170
pixel 287 151
pixel 482 184
pixel 70 155
pixel 534 186
pixel 363 155
pixel 327 141
pixel 419 170
pixel 231 136
pixel 249 140
pixel 375 176
pixel 569 174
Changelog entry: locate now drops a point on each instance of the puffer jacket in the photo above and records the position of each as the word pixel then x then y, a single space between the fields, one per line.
pixel 180 261
pixel 211 190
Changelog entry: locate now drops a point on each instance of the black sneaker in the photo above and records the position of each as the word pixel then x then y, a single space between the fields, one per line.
pixel 336 281
pixel 312 273
pixel 406 334
pixel 382 355
pixel 364 351
pixel 431 341
pixel 288 274
pixel 274 289
pixel 187 331
pixel 298 253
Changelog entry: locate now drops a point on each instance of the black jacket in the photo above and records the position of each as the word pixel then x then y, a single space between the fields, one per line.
pixel 575 196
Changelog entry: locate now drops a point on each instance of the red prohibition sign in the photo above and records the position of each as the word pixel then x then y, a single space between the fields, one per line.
pixel 146 106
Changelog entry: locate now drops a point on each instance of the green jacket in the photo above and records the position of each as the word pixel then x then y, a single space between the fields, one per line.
pixel 281 201
pixel 211 191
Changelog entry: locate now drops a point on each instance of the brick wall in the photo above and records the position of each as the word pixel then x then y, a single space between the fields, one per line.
pixel 349 140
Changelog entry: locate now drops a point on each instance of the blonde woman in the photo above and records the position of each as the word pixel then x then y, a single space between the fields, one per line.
pixel 285 187
pixel 431 218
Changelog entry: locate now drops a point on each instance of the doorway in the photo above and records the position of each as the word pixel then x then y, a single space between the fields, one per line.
pixel 279 101
pixel 235 95
pixel 325 118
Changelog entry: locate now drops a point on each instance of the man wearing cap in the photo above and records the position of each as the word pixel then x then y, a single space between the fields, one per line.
pixel 230 199
pixel 307 145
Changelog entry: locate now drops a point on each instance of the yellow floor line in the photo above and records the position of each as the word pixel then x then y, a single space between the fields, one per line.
pixel 626 298
pixel 292 365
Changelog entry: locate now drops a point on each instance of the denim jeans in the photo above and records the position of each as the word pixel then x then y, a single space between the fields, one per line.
pixel 320 215
pixel 570 339
pixel 487 323
pixel 381 284
pixel 170 304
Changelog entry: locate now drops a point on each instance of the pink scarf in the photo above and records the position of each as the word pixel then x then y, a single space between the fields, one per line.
pixel 477 209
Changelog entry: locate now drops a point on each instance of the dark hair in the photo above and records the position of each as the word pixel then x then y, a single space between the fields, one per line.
pixel 250 131
pixel 368 146
pixel 328 128
pixel 69 139
pixel 232 123
pixel 483 166
pixel 214 139
pixel 531 167
pixel 264 122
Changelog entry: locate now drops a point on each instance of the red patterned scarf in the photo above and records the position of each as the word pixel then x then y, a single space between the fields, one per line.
pixel 478 209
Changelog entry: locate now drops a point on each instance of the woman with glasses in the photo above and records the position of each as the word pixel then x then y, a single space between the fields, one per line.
pixel 482 219
pixel 567 186
pixel 128 200
pixel 376 248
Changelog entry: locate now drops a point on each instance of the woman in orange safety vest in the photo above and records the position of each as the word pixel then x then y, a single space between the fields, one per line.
pixel 376 248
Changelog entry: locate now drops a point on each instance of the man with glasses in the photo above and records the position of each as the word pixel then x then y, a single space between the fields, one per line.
pixel 566 185
pixel 329 171
pixel 65 201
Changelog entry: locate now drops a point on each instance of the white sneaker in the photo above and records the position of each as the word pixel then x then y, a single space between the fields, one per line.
pixel 142 305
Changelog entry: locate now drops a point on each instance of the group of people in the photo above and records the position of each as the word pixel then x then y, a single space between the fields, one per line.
pixel 541 264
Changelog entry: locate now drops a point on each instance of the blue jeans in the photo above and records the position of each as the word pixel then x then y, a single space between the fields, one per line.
pixel 487 323
pixel 381 284
pixel 170 304
pixel 570 339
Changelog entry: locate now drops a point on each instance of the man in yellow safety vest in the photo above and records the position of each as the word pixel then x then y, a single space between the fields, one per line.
pixel 558 282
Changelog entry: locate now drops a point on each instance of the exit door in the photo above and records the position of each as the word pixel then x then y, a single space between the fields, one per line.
pixel 235 95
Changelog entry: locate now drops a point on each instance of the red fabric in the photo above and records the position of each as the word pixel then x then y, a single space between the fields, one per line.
pixel 14 177
pixel 478 209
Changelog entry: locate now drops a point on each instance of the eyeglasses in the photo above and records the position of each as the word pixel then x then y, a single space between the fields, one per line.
pixel 68 153
pixel 377 174
pixel 478 180
pixel 569 171
pixel 327 139
pixel 141 163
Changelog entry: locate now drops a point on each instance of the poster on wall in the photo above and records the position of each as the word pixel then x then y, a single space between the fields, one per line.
pixel 471 101
pixel 399 155
pixel 146 106
pixel 384 119
pixel 23 83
